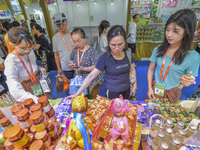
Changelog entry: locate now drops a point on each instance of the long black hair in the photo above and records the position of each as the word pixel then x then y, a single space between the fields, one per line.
pixel 7 25
pixel 38 27
pixel 17 34
pixel 185 18
pixel 103 25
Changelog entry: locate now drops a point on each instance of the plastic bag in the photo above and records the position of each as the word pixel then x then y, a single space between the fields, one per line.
pixel 59 83
pixel 45 83
pixel 75 84
pixel 66 83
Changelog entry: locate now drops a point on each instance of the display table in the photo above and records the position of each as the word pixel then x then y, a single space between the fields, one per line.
pixel 145 49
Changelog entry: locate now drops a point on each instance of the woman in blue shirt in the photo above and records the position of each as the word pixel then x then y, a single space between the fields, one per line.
pixel 174 58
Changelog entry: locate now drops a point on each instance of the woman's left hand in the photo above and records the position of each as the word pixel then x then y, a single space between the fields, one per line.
pixel 133 91
pixel 187 81
pixel 43 70
pixel 80 68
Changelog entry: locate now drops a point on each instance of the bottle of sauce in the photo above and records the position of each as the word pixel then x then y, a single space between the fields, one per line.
pixel 179 125
pixel 158 140
pixel 153 132
pixel 181 135
pixel 5 122
pixel 174 145
pixel 28 103
pixel 168 133
pixel 191 130
pixel 38 121
pixel 45 103
pixel 168 124
pixel 163 146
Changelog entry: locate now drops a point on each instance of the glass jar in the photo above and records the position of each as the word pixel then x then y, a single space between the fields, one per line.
pixel 59 129
pixel 38 107
pixel 55 138
pixel 163 146
pixel 23 118
pixel 179 125
pixel 45 103
pixel 1 115
pixel 191 130
pixel 37 145
pixel 17 136
pixel 42 135
pixel 32 129
pixel 14 110
pixel 168 124
pixel 8 144
pixel 51 128
pixel 157 141
pixel 174 145
pixel 181 135
pixel 167 137
pixel 5 122
pixel 38 121
pixel 28 103
pixel 51 114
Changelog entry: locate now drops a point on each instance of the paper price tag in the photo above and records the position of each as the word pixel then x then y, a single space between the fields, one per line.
pixel 159 89
pixel 37 90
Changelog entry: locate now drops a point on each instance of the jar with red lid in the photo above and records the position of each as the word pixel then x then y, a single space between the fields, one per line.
pixel 1 115
pixel 37 145
pixel 45 103
pixel 42 135
pixel 28 103
pixel 38 121
pixel 23 118
pixel 17 136
pixel 59 129
pixel 51 114
pixel 8 144
pixel 14 111
pixel 5 122
pixel 51 128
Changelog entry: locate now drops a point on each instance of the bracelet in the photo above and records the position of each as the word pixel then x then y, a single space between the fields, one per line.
pixel 134 88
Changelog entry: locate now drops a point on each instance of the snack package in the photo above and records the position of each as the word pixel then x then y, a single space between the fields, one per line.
pixel 75 84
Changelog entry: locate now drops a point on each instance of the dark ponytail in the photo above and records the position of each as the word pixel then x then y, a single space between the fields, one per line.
pixel 103 25
pixel 38 27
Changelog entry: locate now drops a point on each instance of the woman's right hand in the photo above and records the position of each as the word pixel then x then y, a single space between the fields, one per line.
pixel 70 66
pixel 150 93
pixel 72 96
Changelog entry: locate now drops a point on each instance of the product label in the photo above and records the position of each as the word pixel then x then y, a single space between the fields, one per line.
pixel 24 124
pixel 45 86
pixel 52 133
pixel 37 90
pixel 40 127
pixel 47 108
pixel 23 141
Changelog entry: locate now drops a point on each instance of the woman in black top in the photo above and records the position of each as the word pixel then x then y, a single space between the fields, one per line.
pixel 43 48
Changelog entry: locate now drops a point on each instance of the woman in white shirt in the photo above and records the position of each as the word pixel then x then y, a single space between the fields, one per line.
pixel 103 42
pixel 20 66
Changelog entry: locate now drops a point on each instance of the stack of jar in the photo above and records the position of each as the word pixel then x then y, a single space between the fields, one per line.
pixel 166 138
pixel 33 122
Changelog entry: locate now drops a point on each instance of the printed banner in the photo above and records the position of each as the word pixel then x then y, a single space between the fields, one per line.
pixel 169 3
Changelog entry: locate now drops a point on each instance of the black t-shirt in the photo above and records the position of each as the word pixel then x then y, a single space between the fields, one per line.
pixel 42 40
pixel 117 71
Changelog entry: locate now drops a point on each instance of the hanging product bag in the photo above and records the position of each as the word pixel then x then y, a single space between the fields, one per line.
pixel 59 83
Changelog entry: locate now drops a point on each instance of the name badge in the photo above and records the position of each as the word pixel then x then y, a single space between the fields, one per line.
pixel 159 89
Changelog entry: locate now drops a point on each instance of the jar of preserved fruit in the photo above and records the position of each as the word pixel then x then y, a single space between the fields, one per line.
pixel 28 103
pixel 168 124
pixel 51 129
pixel 51 114
pixel 37 145
pixel 42 135
pixel 14 110
pixel 174 145
pixel 168 133
pixel 17 136
pixel 5 122
pixel 38 121
pixel 45 103
pixel 158 140
pixel 23 118
pixel 59 129
pixel 38 107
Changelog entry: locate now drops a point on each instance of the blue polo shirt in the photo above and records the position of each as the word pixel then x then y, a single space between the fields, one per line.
pixel 190 63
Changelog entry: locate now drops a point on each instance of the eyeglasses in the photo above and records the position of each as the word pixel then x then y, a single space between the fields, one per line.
pixel 25 50
pixel 113 46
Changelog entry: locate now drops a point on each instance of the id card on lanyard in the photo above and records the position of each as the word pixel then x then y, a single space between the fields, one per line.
pixel 65 41
pixel 36 88
pixel 160 88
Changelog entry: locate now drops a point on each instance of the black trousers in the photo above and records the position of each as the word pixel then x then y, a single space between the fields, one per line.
pixel 112 94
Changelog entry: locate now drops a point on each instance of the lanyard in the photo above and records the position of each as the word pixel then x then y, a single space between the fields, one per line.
pixel 162 68
pixel 31 77
pixel 65 41
pixel 79 61
pixel 104 35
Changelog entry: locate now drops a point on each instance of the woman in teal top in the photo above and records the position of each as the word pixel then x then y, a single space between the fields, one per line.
pixel 174 58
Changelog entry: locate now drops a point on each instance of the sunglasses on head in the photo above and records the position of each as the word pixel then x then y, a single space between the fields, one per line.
pixel 60 21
